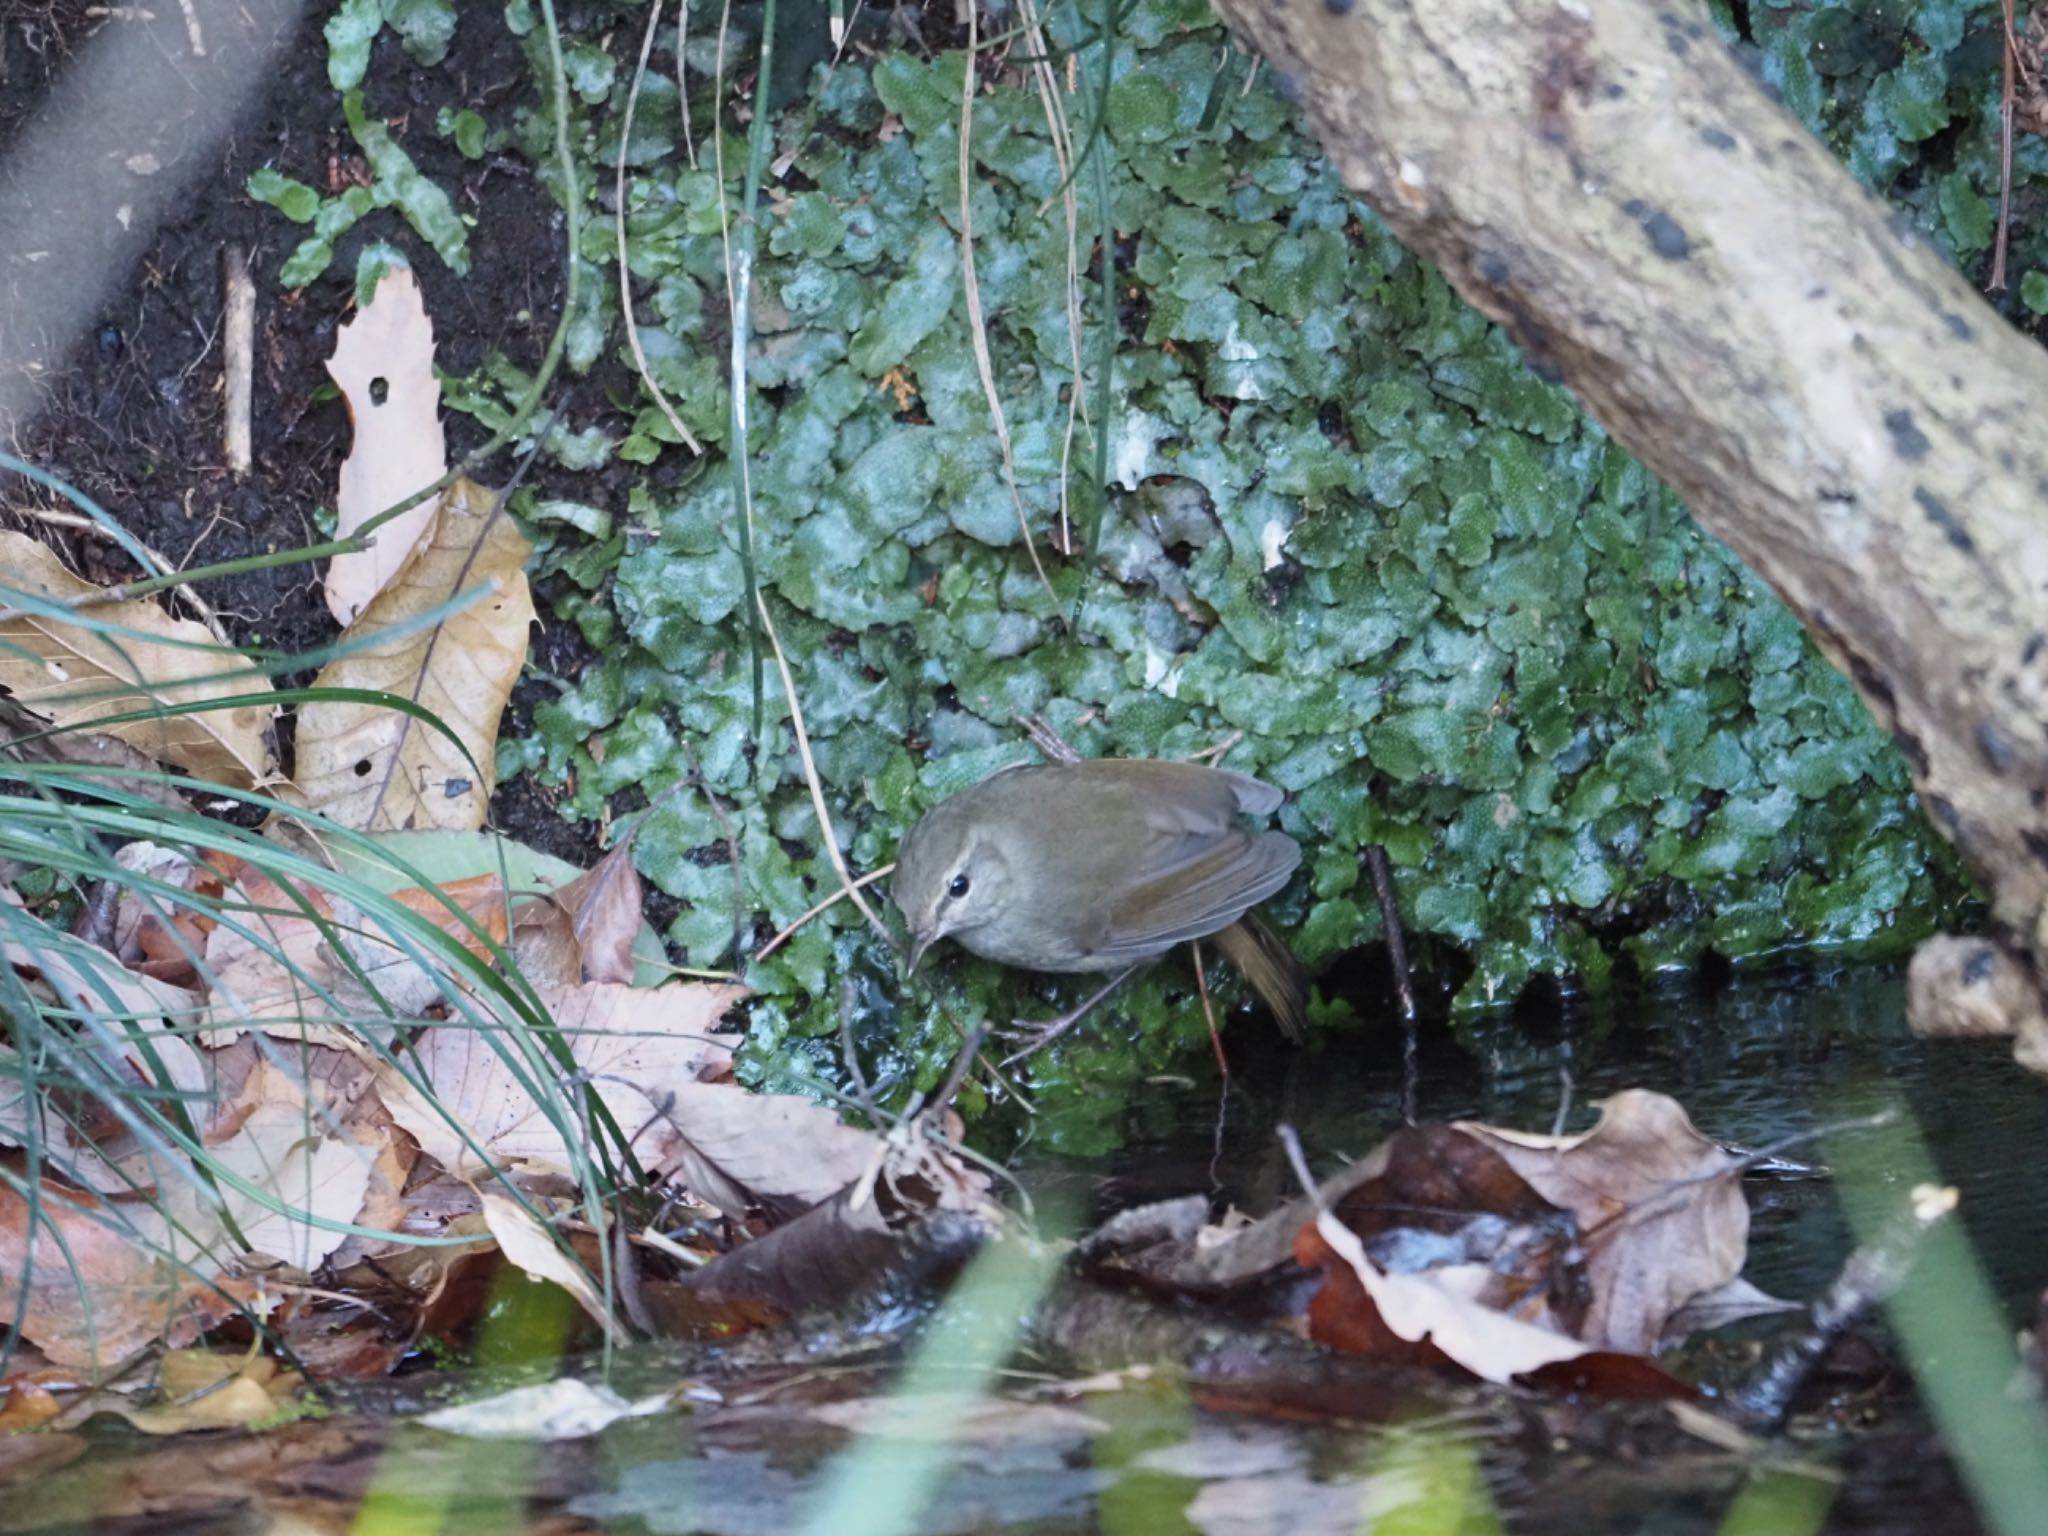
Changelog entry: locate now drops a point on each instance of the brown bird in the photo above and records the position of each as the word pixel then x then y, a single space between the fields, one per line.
pixel 1103 866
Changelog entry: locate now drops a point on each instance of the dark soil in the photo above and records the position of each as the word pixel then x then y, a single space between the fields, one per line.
pixel 130 409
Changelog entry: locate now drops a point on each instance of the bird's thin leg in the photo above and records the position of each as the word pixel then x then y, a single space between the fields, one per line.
pixel 1037 1035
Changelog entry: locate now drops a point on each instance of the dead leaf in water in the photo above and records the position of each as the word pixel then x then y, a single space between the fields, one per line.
pixel 1660 1209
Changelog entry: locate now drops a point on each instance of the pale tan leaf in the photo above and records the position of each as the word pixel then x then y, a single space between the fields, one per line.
pixel 378 769
pixel 1661 1213
pixel 640 1046
pixel 282 1149
pixel 384 363
pixel 197 1389
pixel 121 657
pixel 526 1244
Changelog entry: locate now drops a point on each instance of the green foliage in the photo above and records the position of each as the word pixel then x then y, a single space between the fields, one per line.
pixel 1907 93
pixel 1342 517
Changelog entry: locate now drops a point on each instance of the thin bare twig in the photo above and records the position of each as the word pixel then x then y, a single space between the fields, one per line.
pixel 817 788
pixel 1062 153
pixel 1404 991
pixel 829 902
pixel 78 522
pixel 2005 115
pixel 238 342
pixel 682 89
pixel 619 219
pixel 977 323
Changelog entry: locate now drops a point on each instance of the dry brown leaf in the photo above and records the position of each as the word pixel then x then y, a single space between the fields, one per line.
pixel 377 769
pixel 122 1296
pixel 104 760
pixel 72 672
pixel 268 978
pixel 384 363
pixel 1661 1213
pixel 276 985
pixel 161 1267
pixel 737 1149
pixel 585 930
pixel 641 1046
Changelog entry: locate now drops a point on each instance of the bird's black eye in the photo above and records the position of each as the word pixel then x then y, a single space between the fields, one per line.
pixel 958 888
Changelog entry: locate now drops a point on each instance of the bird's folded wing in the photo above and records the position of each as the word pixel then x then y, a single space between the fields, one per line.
pixel 1208 887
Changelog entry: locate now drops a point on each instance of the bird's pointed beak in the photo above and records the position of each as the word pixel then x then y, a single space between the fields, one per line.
pixel 920 941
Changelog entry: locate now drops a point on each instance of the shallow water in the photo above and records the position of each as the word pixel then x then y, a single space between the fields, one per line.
pixel 1758 1063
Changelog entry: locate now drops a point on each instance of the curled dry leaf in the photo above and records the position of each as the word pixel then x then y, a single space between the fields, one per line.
pixel 1662 1217
pixel 106 1276
pixel 378 769
pixel 118 658
pixel 198 1389
pixel 585 930
pixel 384 364
pixel 526 1243
pixel 640 1047
pixel 739 1150
pixel 105 761
pixel 131 1046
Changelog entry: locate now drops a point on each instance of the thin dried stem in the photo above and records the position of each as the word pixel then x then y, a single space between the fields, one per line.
pixel 619 223
pixel 977 323
pixel 847 883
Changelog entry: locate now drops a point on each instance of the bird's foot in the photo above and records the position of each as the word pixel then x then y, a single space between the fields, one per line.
pixel 1034 1035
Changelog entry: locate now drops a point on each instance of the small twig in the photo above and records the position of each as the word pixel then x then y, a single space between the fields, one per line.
pixel 851 1057
pixel 1062 152
pixel 619 226
pixel 682 88
pixel 1737 1166
pixel 817 788
pixel 1564 1100
pixel 963 1063
pixel 238 341
pixel 1208 1010
pixel 2005 116
pixel 977 323
pixel 732 847
pixel 1404 991
pixel 1298 1161
pixel 830 901
pixel 1215 755
pixel 1873 1272
pixel 1049 741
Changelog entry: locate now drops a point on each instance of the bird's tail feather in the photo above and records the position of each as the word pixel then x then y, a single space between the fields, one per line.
pixel 1263 959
